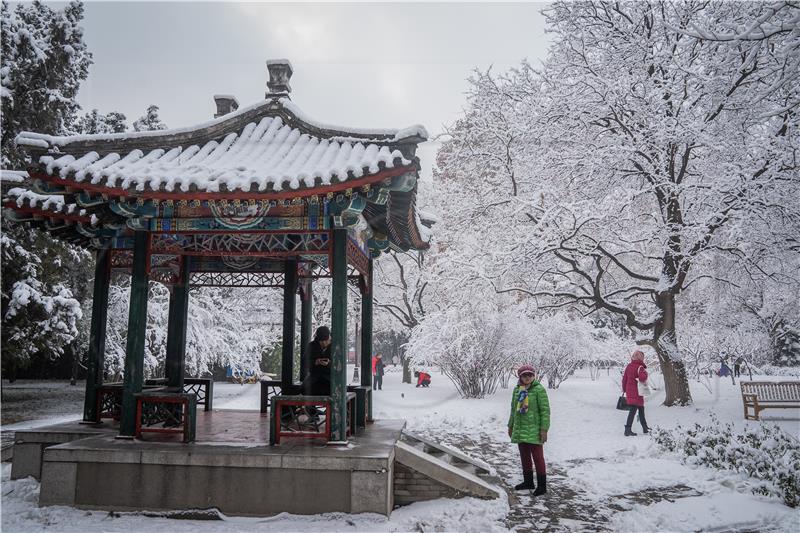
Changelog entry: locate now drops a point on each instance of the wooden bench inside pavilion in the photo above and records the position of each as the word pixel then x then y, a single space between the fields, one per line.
pixel 259 197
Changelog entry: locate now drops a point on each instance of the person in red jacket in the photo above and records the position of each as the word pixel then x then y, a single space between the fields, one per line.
pixel 377 372
pixel 423 379
pixel 635 372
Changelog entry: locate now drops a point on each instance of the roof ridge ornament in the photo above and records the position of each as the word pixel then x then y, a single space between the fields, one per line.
pixel 280 72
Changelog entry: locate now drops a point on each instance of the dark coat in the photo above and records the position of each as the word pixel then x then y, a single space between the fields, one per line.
pixel 318 380
pixel 635 372
pixel 315 352
pixel 378 367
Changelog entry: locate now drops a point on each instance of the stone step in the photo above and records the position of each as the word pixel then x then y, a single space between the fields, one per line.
pixel 447 454
pixel 442 471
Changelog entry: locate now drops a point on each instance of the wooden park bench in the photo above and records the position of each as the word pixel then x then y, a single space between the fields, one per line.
pixel 760 395
pixel 165 411
pixel 306 417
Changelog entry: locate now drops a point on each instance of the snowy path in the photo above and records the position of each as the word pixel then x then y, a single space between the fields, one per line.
pixel 598 479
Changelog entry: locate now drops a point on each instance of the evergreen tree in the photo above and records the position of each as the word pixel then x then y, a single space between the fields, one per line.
pixel 150 121
pixel 96 122
pixel 44 59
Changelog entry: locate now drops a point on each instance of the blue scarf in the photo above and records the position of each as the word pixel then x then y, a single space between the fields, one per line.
pixel 522 401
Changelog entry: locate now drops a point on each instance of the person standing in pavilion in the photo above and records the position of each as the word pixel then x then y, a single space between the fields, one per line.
pixel 528 426
pixel 635 373
pixel 318 355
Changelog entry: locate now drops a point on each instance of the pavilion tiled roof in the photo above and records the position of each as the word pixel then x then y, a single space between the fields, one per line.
pixel 269 153
pixel 268 147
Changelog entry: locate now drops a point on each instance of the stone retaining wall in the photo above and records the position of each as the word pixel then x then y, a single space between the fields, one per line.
pixel 410 486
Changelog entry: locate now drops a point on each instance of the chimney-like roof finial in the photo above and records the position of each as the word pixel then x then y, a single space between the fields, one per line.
pixel 280 72
pixel 226 103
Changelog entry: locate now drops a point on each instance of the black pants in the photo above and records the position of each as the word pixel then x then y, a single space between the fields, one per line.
pixel 737 370
pixel 377 381
pixel 316 385
pixel 632 412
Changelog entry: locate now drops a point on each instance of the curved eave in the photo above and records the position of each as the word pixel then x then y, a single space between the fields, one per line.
pixel 60 223
pixel 70 184
pixel 397 220
pixel 216 129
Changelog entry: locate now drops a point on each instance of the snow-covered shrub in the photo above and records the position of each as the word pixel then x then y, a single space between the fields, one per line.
pixel 786 344
pixel 786 371
pixel 766 453
pixel 557 345
pixel 467 345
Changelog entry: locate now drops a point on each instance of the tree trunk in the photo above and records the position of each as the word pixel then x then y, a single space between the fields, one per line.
pixel 676 382
pixel 406 369
pixel 76 361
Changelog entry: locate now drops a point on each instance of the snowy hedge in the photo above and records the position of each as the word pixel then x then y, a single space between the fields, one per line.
pixel 786 371
pixel 765 453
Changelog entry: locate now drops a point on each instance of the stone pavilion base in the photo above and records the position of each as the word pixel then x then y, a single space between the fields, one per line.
pixel 231 467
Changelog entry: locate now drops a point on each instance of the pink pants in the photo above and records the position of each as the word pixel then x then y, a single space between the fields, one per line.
pixel 526 451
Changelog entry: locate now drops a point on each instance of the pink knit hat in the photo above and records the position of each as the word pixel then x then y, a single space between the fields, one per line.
pixel 638 354
pixel 525 369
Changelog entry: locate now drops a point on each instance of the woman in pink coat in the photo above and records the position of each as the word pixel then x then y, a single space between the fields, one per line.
pixel 635 372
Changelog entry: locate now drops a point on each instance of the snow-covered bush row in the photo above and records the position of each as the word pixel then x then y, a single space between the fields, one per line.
pixel 479 349
pixel 771 370
pixel 766 453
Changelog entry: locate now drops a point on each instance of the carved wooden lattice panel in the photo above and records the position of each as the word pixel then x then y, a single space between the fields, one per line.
pixel 240 243
pixel 236 279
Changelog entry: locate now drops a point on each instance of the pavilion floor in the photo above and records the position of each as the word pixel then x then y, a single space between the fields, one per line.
pixel 231 467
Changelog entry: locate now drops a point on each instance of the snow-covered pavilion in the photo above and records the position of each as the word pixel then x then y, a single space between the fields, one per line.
pixel 259 196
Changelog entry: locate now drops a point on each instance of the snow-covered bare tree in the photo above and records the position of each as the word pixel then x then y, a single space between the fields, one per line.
pixel 220 328
pixel 643 156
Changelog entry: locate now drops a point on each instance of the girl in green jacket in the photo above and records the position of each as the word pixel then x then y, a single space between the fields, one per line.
pixel 527 426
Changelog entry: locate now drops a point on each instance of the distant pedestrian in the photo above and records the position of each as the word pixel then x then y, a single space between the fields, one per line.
pixel 377 373
pixel 737 366
pixel 395 360
pixel 528 426
pixel 725 371
pixel 635 373
pixel 423 379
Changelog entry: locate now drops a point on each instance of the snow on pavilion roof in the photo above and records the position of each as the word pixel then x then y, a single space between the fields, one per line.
pixel 255 164
pixel 267 147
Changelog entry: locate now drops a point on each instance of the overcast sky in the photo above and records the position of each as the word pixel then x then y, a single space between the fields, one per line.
pixel 383 65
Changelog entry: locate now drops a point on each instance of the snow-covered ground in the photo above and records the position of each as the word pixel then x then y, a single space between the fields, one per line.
pixel 598 479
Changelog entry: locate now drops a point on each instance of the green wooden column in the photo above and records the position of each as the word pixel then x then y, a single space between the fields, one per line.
pixel 366 333
pixel 339 336
pixel 97 335
pixel 289 311
pixel 306 309
pixel 137 327
pixel 175 363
